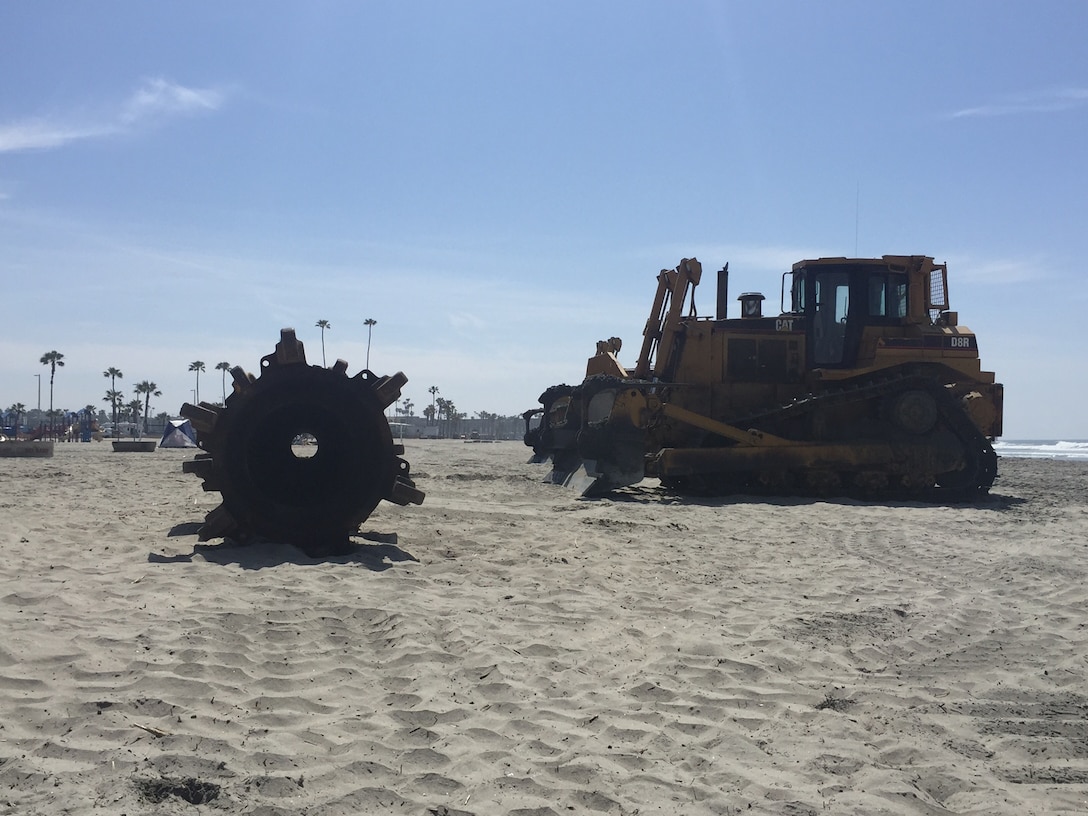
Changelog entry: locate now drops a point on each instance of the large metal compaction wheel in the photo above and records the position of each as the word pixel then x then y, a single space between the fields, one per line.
pixel 270 487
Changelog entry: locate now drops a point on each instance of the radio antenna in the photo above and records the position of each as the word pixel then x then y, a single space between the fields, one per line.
pixel 857 215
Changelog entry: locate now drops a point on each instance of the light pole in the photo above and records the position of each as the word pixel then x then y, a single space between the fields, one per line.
pixel 39 376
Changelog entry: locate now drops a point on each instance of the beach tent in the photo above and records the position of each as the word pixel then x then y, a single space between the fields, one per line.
pixel 179 433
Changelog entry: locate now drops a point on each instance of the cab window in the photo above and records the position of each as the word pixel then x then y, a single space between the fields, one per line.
pixel 887 296
pixel 830 318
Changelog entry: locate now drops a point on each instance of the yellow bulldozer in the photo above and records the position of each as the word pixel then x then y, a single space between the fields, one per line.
pixel 864 385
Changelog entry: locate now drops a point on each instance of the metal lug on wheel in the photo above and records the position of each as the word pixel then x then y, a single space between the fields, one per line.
pixel 242 380
pixel 219 522
pixel 203 417
pixel 405 493
pixel 289 351
pixel 388 388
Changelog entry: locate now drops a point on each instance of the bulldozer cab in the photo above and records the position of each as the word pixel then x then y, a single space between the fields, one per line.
pixel 839 298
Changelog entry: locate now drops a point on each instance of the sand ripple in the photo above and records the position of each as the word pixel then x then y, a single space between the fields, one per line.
pixel 508 648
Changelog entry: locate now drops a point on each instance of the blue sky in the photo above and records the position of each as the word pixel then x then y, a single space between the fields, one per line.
pixel 498 183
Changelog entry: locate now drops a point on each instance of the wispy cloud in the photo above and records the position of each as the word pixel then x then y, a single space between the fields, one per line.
pixel 41 134
pixel 466 322
pixel 1051 100
pixel 154 101
pixel 161 99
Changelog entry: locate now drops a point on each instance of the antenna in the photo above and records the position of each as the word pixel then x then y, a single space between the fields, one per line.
pixel 857 215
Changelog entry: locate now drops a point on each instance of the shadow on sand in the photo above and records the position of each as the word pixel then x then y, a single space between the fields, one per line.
pixel 655 494
pixel 375 551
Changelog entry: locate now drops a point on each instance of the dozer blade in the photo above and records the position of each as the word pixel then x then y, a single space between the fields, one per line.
pixel 554 439
pixel 584 479
pixel 564 462
pixel 609 458
pixel 591 479
pixel 595 478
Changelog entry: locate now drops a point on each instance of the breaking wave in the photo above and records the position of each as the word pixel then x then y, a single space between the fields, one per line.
pixel 1042 449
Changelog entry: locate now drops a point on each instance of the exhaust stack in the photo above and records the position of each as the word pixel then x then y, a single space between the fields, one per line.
pixel 723 293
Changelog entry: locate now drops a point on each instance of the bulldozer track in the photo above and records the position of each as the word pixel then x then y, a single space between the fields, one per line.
pixel 974 479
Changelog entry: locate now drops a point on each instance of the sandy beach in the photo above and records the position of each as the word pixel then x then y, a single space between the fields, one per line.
pixel 510 648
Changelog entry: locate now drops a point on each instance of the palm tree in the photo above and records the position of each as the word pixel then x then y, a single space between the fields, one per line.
pixel 148 390
pixel 113 374
pixel 433 390
pixel 54 414
pixel 323 324
pixel 133 408
pixel 18 409
pixel 91 413
pixel 451 415
pixel 445 408
pixel 52 359
pixel 114 398
pixel 370 323
pixel 224 367
pixel 197 366
pixel 408 406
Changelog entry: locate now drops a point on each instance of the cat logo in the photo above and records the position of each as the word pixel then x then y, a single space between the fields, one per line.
pixel 784 324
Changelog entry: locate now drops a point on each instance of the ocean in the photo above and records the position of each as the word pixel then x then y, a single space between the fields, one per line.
pixel 1042 449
